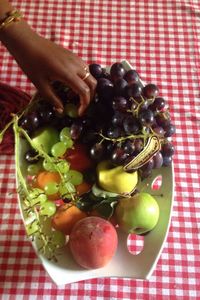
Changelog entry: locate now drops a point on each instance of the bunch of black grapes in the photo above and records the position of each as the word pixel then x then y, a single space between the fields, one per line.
pixel 117 121
pixel 121 115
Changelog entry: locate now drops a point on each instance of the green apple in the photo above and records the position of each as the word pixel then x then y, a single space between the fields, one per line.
pixel 45 138
pixel 138 214
pixel 115 180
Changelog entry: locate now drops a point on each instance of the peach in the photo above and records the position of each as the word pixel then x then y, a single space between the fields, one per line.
pixel 93 242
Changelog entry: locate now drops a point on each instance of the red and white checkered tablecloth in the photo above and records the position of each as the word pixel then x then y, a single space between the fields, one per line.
pixel 161 39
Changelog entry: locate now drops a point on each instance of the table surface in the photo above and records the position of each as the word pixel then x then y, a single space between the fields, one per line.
pixel 161 40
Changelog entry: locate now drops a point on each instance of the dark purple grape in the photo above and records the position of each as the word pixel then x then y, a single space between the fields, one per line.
pixel 134 90
pixel 31 122
pixel 158 104
pixel 134 105
pixel 167 160
pixel 97 151
pixel 102 83
pixel 109 147
pixel 131 76
pixel 162 119
pixel 144 106
pixel 120 104
pixel 25 123
pixel 105 89
pixel 76 130
pixel 87 122
pixel 146 117
pixel 158 130
pixel 168 149
pixel 117 119
pixel 148 166
pixel 129 147
pixel 158 160
pixel 31 156
pixel 113 132
pixel 150 91
pixel 105 74
pixel 139 145
pixel 118 156
pixel 117 71
pixel 34 120
pixel 169 130
pixel 95 100
pixel 119 87
pixel 95 70
pixel 46 114
pixel 131 125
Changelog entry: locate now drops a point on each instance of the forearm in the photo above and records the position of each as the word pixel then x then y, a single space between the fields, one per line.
pixel 43 61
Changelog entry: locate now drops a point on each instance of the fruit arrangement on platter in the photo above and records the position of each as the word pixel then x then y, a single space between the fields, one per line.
pixel 80 178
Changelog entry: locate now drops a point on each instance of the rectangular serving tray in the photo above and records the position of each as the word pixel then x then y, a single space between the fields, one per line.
pixel 123 264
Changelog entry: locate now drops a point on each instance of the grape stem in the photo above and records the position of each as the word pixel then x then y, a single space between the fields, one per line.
pixel 16 117
pixel 19 173
pixel 136 111
pixel 22 181
pixel 144 136
pixel 5 129
pixel 46 240
pixel 43 154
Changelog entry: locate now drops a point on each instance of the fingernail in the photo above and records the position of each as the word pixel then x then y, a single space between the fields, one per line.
pixel 59 110
pixel 80 112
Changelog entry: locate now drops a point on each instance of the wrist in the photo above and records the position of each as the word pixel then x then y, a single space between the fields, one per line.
pixel 11 18
pixel 18 38
pixel 15 32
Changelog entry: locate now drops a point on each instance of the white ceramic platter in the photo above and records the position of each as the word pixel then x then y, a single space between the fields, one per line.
pixel 124 264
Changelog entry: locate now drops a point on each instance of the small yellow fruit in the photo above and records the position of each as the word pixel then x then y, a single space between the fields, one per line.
pixel 115 180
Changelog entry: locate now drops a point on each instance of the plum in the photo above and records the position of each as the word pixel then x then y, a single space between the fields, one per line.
pixel 93 242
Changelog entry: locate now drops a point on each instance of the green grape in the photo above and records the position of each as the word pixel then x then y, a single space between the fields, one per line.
pixel 71 110
pixel 47 209
pixel 32 227
pixel 58 149
pixel 37 196
pixel 63 166
pixel 51 188
pixel 68 143
pixel 34 169
pixel 65 137
pixel 65 134
pixel 58 238
pixel 48 166
pixel 74 177
pixel 66 190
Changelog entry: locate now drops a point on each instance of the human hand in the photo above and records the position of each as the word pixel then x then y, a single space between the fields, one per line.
pixel 44 62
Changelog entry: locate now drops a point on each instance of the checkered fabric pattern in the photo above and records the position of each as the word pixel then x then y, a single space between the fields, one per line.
pixel 161 40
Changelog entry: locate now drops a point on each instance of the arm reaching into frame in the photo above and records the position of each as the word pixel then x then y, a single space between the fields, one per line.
pixel 44 61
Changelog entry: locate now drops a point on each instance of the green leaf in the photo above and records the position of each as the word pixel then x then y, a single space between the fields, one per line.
pixel 105 210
